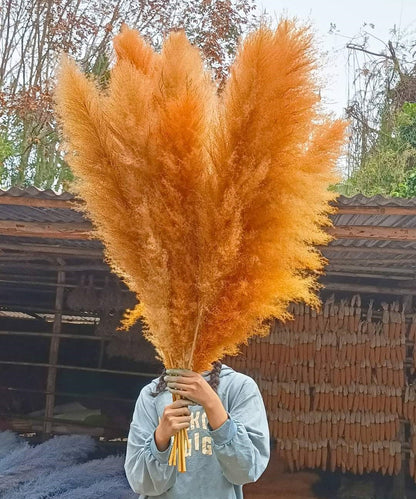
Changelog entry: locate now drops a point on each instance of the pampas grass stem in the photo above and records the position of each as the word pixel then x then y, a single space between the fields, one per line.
pixel 210 205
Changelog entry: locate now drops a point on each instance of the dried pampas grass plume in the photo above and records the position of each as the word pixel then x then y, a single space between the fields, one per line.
pixel 210 205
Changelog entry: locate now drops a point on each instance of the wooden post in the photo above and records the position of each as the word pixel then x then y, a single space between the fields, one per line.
pixel 399 480
pixel 101 357
pixel 53 352
pixel 408 303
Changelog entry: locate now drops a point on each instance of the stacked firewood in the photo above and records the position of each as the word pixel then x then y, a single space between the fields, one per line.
pixel 334 385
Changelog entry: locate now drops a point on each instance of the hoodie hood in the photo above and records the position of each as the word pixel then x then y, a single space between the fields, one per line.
pixel 225 371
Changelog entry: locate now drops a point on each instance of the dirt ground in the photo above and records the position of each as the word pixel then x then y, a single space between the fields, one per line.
pixel 277 483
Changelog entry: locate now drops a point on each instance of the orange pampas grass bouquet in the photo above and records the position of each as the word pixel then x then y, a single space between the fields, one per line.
pixel 210 206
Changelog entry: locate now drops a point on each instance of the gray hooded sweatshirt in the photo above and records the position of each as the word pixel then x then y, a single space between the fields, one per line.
pixel 219 462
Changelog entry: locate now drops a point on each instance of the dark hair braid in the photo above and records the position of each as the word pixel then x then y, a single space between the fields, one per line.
pixel 214 379
pixel 214 376
pixel 161 386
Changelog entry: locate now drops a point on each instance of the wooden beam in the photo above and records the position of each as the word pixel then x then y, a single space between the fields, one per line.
pixel 372 232
pixel 82 230
pixel 367 275
pixel 376 210
pixel 44 310
pixel 68 204
pixel 57 230
pixel 51 267
pixel 36 334
pixel 25 257
pixel 55 249
pixel 365 249
pixel 97 396
pixel 26 283
pixel 28 425
pixel 366 288
pixel 79 368
pixel 54 352
pixel 364 268
pixel 336 260
pixel 71 203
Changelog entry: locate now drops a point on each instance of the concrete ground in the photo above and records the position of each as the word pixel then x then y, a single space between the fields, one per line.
pixel 277 483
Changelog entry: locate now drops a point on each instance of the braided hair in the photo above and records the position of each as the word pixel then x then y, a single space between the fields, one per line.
pixel 214 379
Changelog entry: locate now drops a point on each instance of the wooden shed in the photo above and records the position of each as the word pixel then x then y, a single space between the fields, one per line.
pixel 338 383
pixel 63 366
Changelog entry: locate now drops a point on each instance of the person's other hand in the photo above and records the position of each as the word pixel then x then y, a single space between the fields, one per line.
pixel 175 417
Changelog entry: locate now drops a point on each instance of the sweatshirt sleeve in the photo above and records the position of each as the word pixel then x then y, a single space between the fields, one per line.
pixel 146 467
pixel 242 444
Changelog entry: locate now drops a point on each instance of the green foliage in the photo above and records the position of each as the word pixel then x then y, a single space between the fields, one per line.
pixel 407 188
pixel 406 125
pixel 6 149
pixel 384 170
pixel 100 69
pixel 30 155
pixel 389 168
pixel 382 112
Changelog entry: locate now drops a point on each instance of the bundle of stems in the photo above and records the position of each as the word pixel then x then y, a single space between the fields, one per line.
pixel 210 204
pixel 179 445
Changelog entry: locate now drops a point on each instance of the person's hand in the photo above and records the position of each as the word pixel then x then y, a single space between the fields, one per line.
pixel 189 385
pixel 192 386
pixel 175 417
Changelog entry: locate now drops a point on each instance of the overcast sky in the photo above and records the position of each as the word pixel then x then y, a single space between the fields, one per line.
pixel 349 17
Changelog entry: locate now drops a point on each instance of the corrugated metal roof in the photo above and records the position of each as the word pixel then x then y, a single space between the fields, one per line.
pixel 22 213
pixel 402 221
pixel 376 244
pixel 361 200
pixel 39 214
pixel 357 200
pixel 34 192
pixel 70 243
pixel 355 211
pixel 405 221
